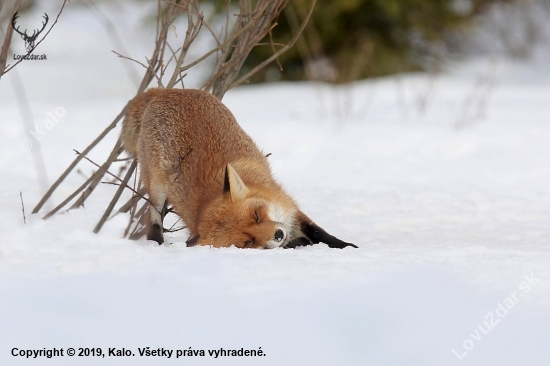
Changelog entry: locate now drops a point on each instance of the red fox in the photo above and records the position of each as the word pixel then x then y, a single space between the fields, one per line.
pixel 194 155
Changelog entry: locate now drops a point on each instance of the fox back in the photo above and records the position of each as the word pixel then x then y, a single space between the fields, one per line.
pixel 194 155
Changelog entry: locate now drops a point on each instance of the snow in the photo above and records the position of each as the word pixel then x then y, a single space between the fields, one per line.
pixel 448 202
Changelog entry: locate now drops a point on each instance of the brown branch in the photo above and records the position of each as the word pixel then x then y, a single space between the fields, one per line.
pixel 133 205
pixel 116 177
pixel 232 60
pixel 156 61
pixel 77 159
pixel 117 150
pixel 138 232
pixel 172 230
pixel 131 221
pixel 200 17
pixel 273 48
pixel 130 203
pixel 227 44
pixel 279 52
pixel 180 161
pixel 136 193
pixel 173 57
pixel 69 198
pixel 7 39
pixel 116 197
pixel 22 205
pixel 192 32
pixel 140 214
pixel 232 57
pixel 146 67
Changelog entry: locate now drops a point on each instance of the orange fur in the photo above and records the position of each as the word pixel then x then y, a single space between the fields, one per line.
pixel 193 154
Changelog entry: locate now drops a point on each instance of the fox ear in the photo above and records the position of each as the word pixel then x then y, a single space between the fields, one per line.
pixel 234 185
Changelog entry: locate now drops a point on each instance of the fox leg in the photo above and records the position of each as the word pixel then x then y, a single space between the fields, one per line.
pixel 310 233
pixel 157 210
pixel 316 235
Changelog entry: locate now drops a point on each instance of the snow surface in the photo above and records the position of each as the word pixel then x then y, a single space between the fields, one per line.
pixel 442 180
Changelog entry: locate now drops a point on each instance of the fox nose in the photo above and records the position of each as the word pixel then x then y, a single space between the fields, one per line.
pixel 279 235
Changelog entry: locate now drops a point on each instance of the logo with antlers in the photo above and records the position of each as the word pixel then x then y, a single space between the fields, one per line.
pixel 29 40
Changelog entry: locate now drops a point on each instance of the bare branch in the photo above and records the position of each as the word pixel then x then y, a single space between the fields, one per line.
pixel 117 150
pixel 146 67
pixel 192 32
pixel 7 39
pixel 200 16
pixel 21 194
pixel 117 178
pixel 70 197
pixel 77 159
pixel 116 197
pixel 130 204
pixel 274 56
pixel 263 19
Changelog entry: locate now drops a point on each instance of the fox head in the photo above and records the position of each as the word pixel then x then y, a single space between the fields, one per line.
pixel 246 217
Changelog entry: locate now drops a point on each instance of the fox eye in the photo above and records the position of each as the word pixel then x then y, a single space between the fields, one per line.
pixel 256 217
pixel 249 243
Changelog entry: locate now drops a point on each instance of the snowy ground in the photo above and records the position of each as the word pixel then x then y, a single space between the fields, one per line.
pixel 449 204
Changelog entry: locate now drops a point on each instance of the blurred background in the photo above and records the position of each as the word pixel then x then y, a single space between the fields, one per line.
pixel 349 40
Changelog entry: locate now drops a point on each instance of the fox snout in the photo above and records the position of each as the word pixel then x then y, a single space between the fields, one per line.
pixel 279 235
pixel 278 239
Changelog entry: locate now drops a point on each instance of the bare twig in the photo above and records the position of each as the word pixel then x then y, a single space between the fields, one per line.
pixel 181 159
pixel 172 230
pixel 77 159
pixel 22 205
pixel 128 205
pixel 193 30
pixel 279 52
pixel 141 195
pixel 136 194
pixel 117 150
pixel 139 228
pixel 146 67
pixel 259 22
pixel 302 46
pixel 7 39
pixel 273 48
pixel 115 197
pixel 199 15
pixel 70 197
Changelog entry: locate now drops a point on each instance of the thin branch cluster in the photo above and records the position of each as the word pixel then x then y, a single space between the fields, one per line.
pixel 245 26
